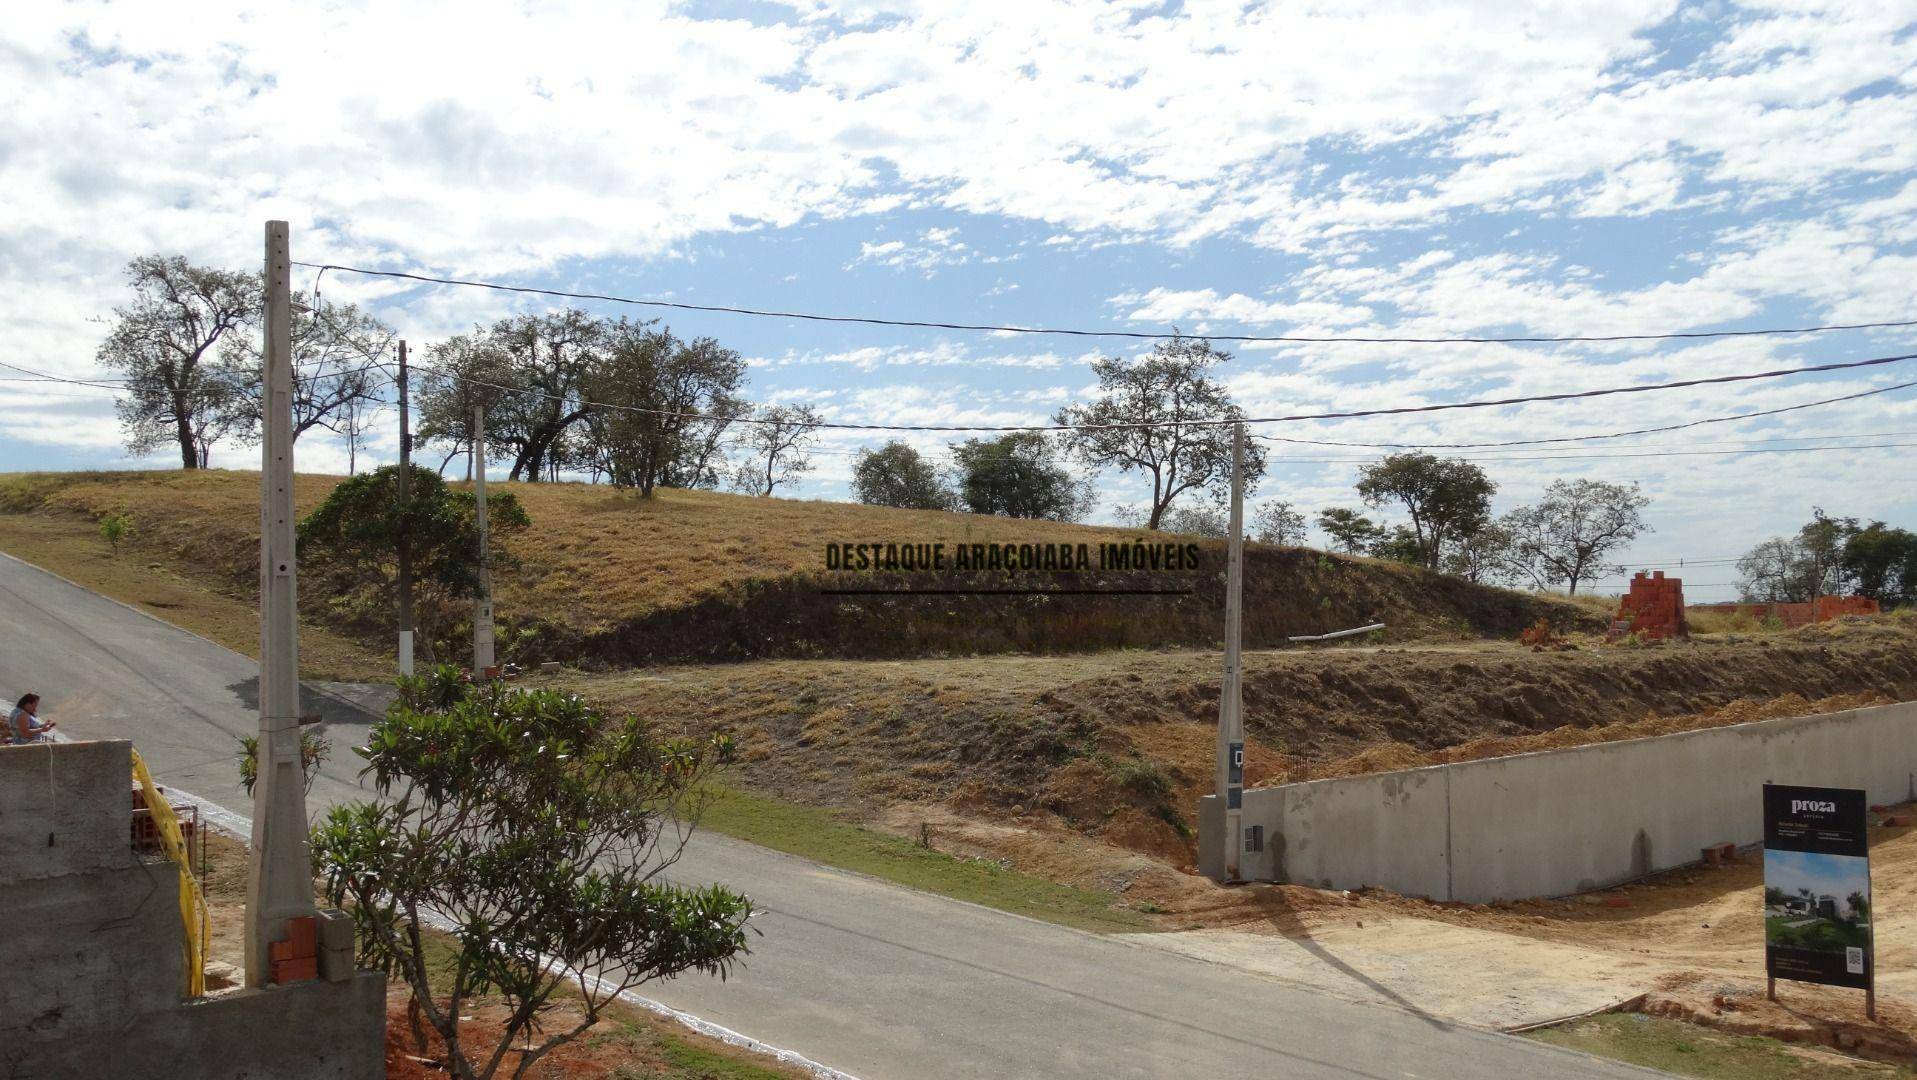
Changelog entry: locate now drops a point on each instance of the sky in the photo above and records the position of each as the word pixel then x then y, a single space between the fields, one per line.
pixel 1417 169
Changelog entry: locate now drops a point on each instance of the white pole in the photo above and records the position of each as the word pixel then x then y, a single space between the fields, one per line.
pixel 483 610
pixel 1231 723
pixel 279 868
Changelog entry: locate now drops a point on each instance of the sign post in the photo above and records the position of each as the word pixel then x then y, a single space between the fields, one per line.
pixel 1817 914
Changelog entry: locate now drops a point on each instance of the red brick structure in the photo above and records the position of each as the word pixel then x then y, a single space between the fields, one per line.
pixel 1653 609
pixel 1822 609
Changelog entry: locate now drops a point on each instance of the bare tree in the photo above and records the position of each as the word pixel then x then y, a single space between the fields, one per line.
pixel 336 350
pixel 1566 538
pixel 178 390
pixel 776 447
pixel 1182 447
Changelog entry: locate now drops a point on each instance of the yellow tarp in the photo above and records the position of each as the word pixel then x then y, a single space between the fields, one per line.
pixel 193 916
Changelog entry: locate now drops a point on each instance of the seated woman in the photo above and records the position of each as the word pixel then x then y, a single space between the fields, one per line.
pixel 24 724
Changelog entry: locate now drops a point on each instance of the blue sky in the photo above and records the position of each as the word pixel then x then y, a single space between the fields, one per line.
pixel 1415 169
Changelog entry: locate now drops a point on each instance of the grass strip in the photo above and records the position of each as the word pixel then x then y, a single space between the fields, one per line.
pixel 821 836
pixel 1689 1050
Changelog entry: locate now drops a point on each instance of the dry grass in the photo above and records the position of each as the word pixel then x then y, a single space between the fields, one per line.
pixel 611 579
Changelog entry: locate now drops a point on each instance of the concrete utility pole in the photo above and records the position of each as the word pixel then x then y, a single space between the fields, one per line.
pixel 405 539
pixel 279 869
pixel 1231 721
pixel 483 611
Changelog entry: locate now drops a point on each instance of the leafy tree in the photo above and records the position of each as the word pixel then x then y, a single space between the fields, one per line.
pixel 776 445
pixel 1447 499
pixel 1859 906
pixel 659 392
pixel 897 475
pixel 1278 522
pixel 1173 390
pixel 353 538
pixel 1350 532
pixel 540 827
pixel 1883 562
pixel 178 388
pixel 1772 572
pixel 463 373
pixel 1820 545
pixel 1399 544
pixel 1018 475
pixel 1482 557
pixel 1566 537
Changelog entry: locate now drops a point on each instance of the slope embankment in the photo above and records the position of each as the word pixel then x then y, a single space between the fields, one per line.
pixel 605 579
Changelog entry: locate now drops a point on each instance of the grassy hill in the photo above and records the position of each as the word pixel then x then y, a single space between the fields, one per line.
pixel 606 579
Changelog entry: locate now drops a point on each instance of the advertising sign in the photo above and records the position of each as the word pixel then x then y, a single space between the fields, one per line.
pixel 1817 918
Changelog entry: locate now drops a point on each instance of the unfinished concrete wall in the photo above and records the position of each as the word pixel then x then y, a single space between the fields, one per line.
pixel 1561 821
pixel 92 952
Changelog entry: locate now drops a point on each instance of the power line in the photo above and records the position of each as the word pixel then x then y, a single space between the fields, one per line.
pixel 1614 457
pixel 867 320
pixel 1590 438
pixel 1349 414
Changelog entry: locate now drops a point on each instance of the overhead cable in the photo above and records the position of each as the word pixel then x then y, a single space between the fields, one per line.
pixel 1223 422
pixel 1142 335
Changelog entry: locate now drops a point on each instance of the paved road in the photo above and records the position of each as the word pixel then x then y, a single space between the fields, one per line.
pixel 876 980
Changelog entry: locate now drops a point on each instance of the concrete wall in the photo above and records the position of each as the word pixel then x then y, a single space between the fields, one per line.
pixel 1561 821
pixel 91 953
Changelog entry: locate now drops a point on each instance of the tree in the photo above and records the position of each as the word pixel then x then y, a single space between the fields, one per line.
pixel 178 388
pixel 776 444
pixel 1772 572
pixel 897 475
pixel 353 539
pixel 540 827
pixel 1566 536
pixel 1484 556
pixel 1199 521
pixel 335 378
pixel 1350 532
pixel 1820 544
pixel 1447 499
pixel 1018 475
pixel 1278 522
pixel 1172 391
pixel 535 365
pixel 1883 563
pixel 667 403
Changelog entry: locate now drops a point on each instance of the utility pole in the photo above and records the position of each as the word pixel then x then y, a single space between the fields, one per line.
pixel 279 882
pixel 483 611
pixel 1231 721
pixel 405 525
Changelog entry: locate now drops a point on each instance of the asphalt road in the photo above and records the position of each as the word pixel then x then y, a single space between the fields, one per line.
pixel 866 977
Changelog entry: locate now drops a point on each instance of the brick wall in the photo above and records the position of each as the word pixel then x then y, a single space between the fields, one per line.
pixel 1653 609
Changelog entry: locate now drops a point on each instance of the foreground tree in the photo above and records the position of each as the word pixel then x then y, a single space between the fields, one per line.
pixel 1446 499
pixel 1019 475
pixel 1566 538
pixel 179 390
pixel 352 540
pixel 775 446
pixel 897 475
pixel 1171 390
pixel 539 826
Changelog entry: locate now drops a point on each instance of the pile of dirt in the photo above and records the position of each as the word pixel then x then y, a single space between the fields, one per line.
pixel 604 579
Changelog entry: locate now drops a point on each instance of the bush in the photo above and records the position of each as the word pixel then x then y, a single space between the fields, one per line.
pixel 539 826
pixel 115 528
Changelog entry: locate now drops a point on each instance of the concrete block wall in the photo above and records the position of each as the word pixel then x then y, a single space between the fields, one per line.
pixel 91 953
pixel 1560 821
